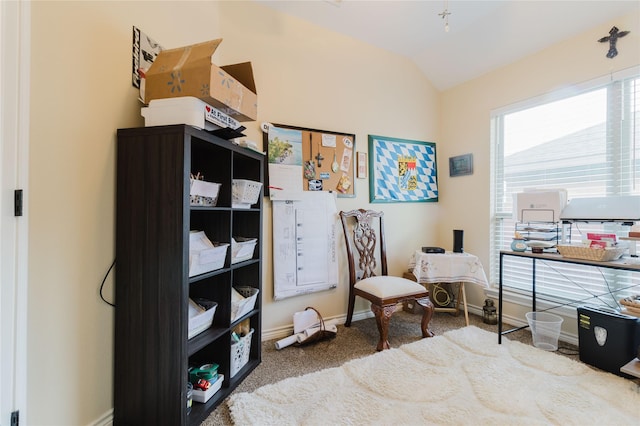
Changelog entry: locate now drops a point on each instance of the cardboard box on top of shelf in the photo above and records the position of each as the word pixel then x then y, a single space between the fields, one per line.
pixel 189 71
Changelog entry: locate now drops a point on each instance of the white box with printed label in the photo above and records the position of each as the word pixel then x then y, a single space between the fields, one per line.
pixel 186 110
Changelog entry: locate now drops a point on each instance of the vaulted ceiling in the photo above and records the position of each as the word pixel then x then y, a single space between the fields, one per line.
pixel 482 36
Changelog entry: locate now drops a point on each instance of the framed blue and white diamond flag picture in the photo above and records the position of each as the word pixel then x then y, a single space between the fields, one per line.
pixel 402 170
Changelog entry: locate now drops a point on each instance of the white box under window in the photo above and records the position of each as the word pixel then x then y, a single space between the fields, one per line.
pixel 539 205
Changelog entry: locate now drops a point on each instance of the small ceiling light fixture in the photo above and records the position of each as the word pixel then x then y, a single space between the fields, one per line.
pixel 445 15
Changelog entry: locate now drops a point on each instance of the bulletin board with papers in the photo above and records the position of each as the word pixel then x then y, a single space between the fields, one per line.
pixel 301 159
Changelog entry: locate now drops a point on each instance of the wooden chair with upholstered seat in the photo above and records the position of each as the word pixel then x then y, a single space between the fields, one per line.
pixel 366 240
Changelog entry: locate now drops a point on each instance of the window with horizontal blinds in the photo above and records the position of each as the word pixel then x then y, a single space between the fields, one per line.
pixel 586 141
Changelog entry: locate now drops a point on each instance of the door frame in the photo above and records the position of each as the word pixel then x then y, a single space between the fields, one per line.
pixel 15 48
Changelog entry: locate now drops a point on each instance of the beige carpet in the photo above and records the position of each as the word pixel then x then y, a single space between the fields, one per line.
pixel 357 341
pixel 456 378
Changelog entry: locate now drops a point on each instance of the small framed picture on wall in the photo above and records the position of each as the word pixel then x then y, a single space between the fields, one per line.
pixel 461 165
pixel 362 165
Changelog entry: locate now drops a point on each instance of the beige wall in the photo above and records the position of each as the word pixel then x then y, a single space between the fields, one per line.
pixel 325 81
pixel 81 93
pixel 466 200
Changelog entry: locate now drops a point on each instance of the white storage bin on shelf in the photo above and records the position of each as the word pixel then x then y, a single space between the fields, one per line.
pixel 242 248
pixel 202 193
pixel 243 300
pixel 204 256
pixel 199 319
pixel 245 193
pixel 186 110
pixel 240 352
pixel 203 396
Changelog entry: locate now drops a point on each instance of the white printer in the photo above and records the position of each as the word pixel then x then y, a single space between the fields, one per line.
pixel 619 208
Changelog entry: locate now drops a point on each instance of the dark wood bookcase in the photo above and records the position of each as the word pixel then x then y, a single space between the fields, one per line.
pixel 153 287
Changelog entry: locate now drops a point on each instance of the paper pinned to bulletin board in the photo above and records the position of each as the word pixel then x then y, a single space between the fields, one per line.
pixel 302 159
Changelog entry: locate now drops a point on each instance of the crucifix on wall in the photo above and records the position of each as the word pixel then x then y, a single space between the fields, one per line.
pixel 612 38
pixel 319 156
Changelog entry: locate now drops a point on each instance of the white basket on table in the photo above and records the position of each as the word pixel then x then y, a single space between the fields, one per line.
pixel 588 253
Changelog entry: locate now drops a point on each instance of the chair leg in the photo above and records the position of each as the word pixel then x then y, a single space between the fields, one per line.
pixel 383 316
pixel 352 301
pixel 425 302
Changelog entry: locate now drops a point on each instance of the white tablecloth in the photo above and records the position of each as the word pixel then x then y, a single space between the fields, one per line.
pixel 447 267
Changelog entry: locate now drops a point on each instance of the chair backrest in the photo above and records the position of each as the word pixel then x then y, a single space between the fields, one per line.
pixel 364 238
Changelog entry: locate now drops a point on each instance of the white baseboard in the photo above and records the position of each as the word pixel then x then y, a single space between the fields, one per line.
pixel 287 330
pixel 104 420
pixel 280 332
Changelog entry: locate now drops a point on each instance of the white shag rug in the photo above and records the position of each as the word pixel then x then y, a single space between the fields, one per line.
pixel 461 377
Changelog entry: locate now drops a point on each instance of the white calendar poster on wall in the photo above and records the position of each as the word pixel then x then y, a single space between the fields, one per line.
pixel 304 242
